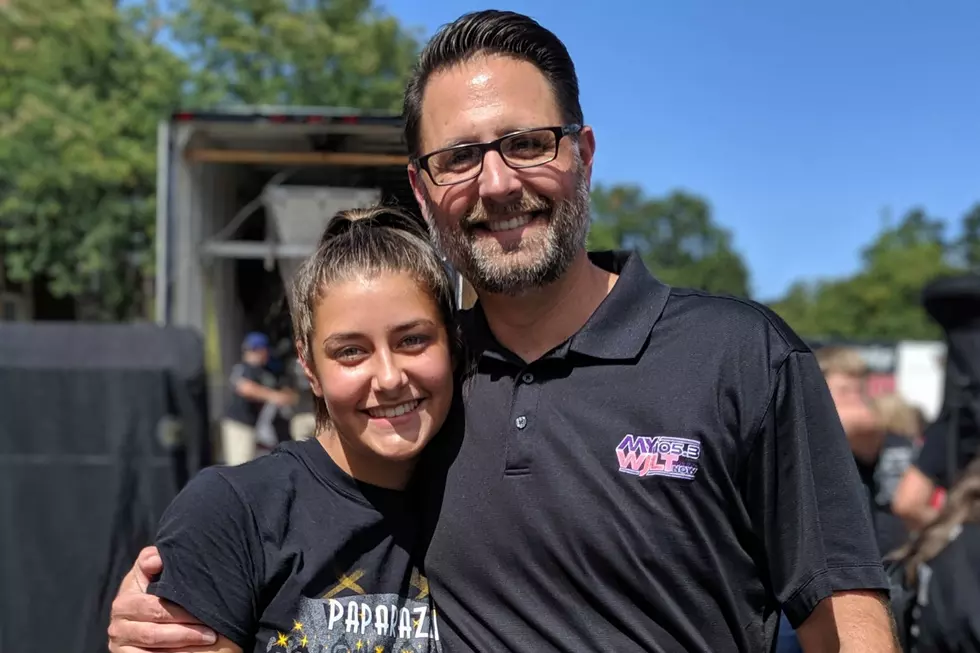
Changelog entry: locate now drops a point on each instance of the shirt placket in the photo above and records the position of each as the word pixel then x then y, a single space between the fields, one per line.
pixel 523 423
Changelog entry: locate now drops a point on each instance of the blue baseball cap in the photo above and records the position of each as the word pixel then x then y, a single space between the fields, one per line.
pixel 255 340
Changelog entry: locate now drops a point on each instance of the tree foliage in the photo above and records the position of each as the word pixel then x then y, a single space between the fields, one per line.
pixel 969 243
pixel 883 299
pixel 87 81
pixel 84 85
pixel 338 53
pixel 675 235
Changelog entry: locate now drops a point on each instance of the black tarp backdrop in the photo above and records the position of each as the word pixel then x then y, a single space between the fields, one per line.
pixel 954 303
pixel 100 426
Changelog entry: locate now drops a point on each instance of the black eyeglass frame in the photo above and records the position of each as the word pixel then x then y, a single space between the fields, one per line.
pixel 422 162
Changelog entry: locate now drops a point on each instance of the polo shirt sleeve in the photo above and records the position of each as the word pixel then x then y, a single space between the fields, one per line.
pixel 804 498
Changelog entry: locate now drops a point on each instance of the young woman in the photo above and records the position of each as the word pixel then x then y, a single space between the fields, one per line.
pixel 309 548
pixel 941 566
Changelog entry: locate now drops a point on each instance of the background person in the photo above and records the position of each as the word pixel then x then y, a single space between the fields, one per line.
pixel 253 387
pixel 881 456
pixel 942 570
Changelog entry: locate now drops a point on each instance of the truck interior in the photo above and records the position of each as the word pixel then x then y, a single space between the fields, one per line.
pixel 260 283
pixel 248 197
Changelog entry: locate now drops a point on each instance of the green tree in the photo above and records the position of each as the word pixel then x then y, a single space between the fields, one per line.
pixel 84 86
pixel 675 235
pixel 969 243
pixel 883 299
pixel 86 82
pixel 341 53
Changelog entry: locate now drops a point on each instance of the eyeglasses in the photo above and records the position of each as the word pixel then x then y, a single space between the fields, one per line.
pixel 524 149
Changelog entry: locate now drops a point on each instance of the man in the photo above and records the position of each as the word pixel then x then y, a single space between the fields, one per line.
pixel 643 468
pixel 255 403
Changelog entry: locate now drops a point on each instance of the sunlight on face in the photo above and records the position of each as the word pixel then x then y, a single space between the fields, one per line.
pixel 507 231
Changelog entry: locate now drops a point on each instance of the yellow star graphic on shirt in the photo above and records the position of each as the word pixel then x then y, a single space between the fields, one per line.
pixel 421 583
pixel 297 626
pixel 359 645
pixel 283 640
pixel 379 649
pixel 304 641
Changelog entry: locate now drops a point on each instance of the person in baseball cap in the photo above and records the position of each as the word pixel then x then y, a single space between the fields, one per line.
pixel 253 387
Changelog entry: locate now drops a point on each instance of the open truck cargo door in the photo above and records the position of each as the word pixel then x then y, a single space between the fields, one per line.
pixel 243 196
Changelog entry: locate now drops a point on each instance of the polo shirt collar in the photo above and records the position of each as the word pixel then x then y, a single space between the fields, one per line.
pixel 617 330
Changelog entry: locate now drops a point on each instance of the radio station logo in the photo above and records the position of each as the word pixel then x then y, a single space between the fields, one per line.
pixel 659 455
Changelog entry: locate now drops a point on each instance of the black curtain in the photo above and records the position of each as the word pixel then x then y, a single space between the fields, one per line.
pixel 100 427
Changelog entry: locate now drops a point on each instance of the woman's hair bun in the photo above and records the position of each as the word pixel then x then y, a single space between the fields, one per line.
pixel 391 217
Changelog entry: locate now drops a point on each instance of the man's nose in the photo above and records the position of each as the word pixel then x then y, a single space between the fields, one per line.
pixel 498 181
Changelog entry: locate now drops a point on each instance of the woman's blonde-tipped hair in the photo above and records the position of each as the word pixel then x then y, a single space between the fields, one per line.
pixel 368 241
pixel 898 416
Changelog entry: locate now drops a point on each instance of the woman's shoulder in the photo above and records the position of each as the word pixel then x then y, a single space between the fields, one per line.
pixel 256 485
pixel 264 470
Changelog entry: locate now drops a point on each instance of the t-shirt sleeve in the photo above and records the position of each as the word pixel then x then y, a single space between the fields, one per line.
pixel 804 497
pixel 211 557
pixel 248 372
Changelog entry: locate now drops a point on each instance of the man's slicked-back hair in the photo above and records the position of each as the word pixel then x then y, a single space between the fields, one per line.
pixel 492 32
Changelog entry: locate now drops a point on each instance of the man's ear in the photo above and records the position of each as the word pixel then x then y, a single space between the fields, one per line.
pixel 416 179
pixel 586 148
pixel 305 362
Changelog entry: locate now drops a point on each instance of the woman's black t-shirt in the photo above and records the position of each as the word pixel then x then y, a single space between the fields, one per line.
pixel 289 553
pixel 950 618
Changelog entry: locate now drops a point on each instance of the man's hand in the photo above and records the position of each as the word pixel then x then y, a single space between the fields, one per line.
pixel 143 623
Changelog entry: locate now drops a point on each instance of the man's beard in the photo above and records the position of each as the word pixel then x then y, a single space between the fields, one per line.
pixel 536 260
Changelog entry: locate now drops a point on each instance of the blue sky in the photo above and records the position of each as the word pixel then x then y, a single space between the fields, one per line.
pixel 800 122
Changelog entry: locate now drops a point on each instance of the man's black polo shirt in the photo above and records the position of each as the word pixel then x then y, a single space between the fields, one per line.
pixel 665 480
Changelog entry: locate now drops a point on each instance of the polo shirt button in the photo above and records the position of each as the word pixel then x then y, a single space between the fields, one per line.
pixel 528 378
pixel 521 422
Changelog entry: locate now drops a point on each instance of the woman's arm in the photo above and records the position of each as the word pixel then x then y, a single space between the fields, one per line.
pixel 212 558
pixel 144 623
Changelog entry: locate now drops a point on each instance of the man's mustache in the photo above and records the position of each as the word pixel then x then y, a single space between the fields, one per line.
pixel 481 214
